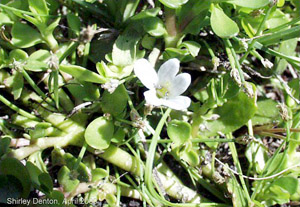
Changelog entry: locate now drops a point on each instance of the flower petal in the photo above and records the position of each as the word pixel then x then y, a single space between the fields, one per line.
pixel 177 103
pixel 179 84
pixel 146 73
pixel 168 71
pixel 151 98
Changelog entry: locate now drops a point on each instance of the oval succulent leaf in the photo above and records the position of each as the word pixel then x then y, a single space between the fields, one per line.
pixel 221 24
pixel 24 36
pixel 13 167
pixel 179 132
pixel 253 4
pixel 173 4
pixel 99 133
pixel 82 74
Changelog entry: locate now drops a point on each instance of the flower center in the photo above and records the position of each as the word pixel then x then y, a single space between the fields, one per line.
pixel 162 92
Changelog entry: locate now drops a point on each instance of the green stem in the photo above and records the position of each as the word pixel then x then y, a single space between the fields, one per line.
pixel 233 59
pixel 258 32
pixel 86 54
pixel 71 48
pixel 280 36
pixel 295 137
pixel 210 50
pixel 237 164
pixel 130 103
pixel 80 156
pixel 152 149
pixel 17 109
pixel 292 22
pixel 149 166
pixel 170 21
pixel 265 170
pixel 36 88
pixel 194 140
pixel 197 118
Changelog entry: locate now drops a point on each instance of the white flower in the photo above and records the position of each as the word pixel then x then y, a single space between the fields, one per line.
pixel 164 87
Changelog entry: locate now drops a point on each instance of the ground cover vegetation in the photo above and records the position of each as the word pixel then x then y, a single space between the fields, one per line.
pixel 150 103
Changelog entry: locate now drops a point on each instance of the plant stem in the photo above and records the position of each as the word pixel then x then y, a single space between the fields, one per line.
pixel 258 32
pixel 152 149
pixel 295 137
pixel 17 109
pixel 233 59
pixel 71 48
pixel 170 21
pixel 237 164
pixel 194 140
pixel 36 88
pixel 86 54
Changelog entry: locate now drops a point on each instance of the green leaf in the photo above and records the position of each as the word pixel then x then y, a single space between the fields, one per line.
pixel 37 61
pixel 148 42
pixel 279 191
pixel 221 24
pixel 10 188
pixel 251 24
pixel 192 46
pixel 233 114
pixel 17 83
pixel 98 174
pixel 173 4
pixel 74 23
pixel 46 182
pixel 154 26
pixel 287 183
pixel 267 112
pixel 58 197
pixel 111 199
pixel 148 13
pixel 235 189
pixel 12 166
pixel 35 66
pixel 278 18
pixel 82 74
pixel 119 97
pixel 3 58
pixel 83 90
pixel 17 55
pixel 125 48
pixel 286 47
pixel 294 85
pixel 34 172
pixel 181 54
pixel 279 163
pixel 66 180
pixel 129 8
pixel 119 136
pixel 99 133
pixel 17 4
pixel 40 55
pixel 253 4
pixel 24 36
pixel 80 171
pixel 257 156
pixel 4 145
pixel 39 130
pixel 4 19
pixel 179 132
pixel 190 156
pixel 39 7
pixel 191 16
